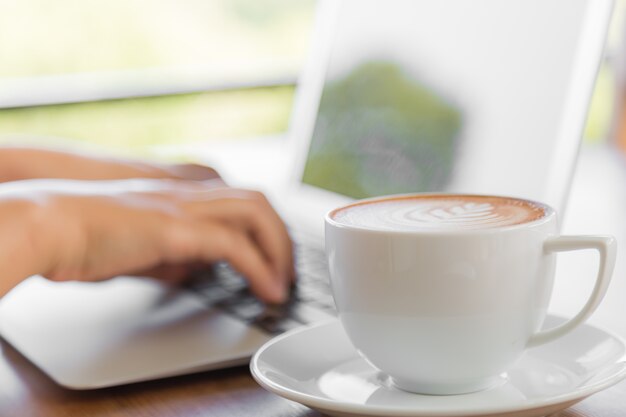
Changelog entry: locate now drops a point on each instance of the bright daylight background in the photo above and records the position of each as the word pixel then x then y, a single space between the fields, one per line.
pixel 205 69
pixel 126 75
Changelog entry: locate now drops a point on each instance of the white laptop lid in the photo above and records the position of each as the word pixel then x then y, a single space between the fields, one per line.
pixel 487 96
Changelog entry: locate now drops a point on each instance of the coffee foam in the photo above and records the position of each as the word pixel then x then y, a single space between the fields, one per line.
pixel 439 212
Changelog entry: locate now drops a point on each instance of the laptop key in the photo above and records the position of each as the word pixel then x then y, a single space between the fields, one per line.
pixel 273 325
pixel 243 306
pixel 307 314
pixel 276 319
pixel 310 300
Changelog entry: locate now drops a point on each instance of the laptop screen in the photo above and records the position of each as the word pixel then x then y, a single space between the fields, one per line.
pixel 380 130
pixel 450 95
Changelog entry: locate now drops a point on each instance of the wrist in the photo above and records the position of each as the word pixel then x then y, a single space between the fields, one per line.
pixel 22 249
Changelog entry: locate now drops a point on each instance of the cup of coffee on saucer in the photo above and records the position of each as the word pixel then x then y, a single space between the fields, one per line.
pixel 444 292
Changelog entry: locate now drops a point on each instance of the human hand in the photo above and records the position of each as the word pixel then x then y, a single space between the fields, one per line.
pixel 17 163
pixel 162 228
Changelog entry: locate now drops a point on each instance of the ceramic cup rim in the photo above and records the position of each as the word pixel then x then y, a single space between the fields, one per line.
pixel 549 214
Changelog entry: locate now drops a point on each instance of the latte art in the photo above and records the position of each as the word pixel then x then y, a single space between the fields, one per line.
pixel 439 212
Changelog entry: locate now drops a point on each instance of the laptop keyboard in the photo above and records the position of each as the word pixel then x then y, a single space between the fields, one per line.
pixel 310 299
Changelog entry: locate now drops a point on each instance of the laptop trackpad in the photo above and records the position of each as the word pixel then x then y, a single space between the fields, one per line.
pixel 86 335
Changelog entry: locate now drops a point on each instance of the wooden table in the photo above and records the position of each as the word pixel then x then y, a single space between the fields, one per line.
pixel 25 391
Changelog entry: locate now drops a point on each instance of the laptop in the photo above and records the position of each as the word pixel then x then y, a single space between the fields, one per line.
pixel 488 96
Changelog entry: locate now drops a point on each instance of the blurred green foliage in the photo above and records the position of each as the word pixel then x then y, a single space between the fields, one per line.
pixel 382 132
pixel 134 126
pixel 600 117
pixel 42 37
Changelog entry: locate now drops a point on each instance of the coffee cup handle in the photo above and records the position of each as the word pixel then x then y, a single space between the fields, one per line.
pixel 606 247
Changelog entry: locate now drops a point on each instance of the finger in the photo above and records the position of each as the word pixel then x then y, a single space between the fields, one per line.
pixel 168 273
pixel 245 256
pixel 193 172
pixel 167 189
pixel 212 242
pixel 256 216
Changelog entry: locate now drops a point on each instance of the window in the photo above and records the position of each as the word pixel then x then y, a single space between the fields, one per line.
pixel 128 74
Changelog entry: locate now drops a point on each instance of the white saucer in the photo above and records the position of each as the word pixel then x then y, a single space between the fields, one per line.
pixel 318 367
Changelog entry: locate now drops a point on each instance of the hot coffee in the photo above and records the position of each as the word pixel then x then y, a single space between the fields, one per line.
pixel 407 213
pixel 443 292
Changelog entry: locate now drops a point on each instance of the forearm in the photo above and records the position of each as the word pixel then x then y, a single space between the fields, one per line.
pixel 30 163
pixel 22 252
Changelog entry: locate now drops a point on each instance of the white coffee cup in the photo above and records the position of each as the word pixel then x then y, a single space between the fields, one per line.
pixel 447 309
